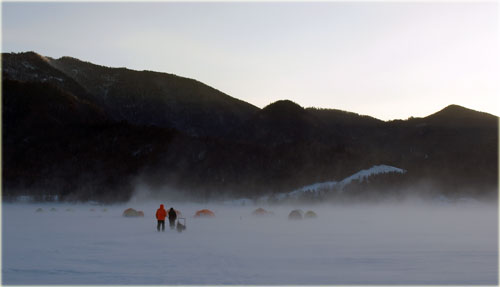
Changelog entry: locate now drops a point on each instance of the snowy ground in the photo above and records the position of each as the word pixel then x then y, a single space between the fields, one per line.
pixel 380 244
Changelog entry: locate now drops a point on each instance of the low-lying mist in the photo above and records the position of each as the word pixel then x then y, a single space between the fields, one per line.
pixel 410 242
pixel 356 192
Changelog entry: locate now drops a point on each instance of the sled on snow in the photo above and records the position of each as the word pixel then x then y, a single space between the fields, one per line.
pixel 181 227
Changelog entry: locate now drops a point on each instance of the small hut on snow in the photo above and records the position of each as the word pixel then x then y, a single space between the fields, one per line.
pixel 130 212
pixel 295 214
pixel 204 213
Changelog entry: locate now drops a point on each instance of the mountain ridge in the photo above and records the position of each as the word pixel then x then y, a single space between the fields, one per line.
pixel 145 98
pixel 54 62
pixel 177 133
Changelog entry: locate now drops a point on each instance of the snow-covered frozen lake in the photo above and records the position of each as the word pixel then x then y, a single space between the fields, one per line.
pixel 359 244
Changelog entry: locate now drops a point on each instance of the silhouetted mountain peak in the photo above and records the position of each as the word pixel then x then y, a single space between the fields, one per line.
pixel 32 55
pixel 453 110
pixel 68 58
pixel 65 61
pixel 458 114
pixel 32 67
pixel 24 62
pixel 283 107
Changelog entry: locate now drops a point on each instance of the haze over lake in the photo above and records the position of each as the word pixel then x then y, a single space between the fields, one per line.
pixel 406 243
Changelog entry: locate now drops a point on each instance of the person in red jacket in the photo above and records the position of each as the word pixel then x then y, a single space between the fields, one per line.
pixel 161 213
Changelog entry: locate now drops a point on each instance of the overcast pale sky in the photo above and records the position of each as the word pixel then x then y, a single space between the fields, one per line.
pixel 385 59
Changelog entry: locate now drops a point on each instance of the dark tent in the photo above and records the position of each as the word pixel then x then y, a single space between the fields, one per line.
pixel 295 214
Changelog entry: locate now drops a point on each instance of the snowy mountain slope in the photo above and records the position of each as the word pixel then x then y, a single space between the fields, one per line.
pixel 315 188
pixel 320 188
pixel 365 173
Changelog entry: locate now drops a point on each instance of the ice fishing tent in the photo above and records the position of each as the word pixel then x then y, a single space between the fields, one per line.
pixel 204 213
pixel 130 212
pixel 295 214
pixel 261 212
pixel 310 214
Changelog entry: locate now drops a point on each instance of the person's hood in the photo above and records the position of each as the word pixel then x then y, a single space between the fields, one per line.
pixel 161 206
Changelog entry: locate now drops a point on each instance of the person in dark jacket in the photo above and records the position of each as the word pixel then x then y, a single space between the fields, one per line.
pixel 172 216
pixel 161 213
